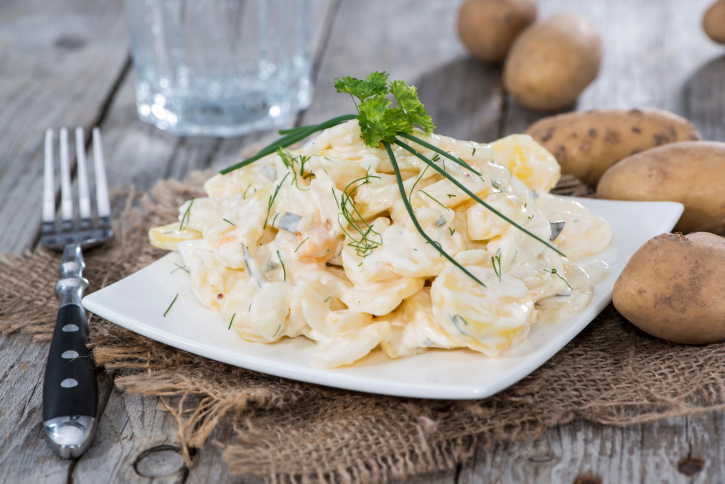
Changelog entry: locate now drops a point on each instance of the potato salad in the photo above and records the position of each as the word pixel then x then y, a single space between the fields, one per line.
pixel 317 242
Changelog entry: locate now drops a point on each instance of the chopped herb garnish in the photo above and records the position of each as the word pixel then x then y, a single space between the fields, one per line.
pixel 450 195
pixel 183 268
pixel 244 195
pixel 380 122
pixel 416 182
pixel 172 303
pixel 284 270
pixel 275 333
pixel 187 215
pixel 473 153
pixel 496 186
pixel 298 247
pixel 272 198
pixel 553 271
pixel 328 298
pixel 451 230
pixel 399 178
pixel 369 239
pixel 494 260
pixel 275 218
pixel 289 162
pixel 227 221
pixel 431 197
pixel 230 322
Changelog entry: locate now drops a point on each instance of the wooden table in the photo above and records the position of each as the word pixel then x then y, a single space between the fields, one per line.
pixel 66 63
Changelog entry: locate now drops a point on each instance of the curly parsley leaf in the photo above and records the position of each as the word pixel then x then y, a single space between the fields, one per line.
pixel 374 85
pixel 406 98
pixel 373 120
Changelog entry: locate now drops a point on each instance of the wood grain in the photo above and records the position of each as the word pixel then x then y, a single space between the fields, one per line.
pixel 60 62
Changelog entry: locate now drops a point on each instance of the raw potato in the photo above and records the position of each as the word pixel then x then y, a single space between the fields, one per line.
pixel 673 288
pixel 552 62
pixel 587 143
pixel 488 27
pixel 714 22
pixel 692 173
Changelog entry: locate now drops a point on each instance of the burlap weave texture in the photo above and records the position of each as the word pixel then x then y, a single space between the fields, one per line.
pixel 611 374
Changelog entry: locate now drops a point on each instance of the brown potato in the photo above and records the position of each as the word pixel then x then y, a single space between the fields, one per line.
pixel 552 62
pixel 488 27
pixel 587 143
pixel 691 172
pixel 714 22
pixel 673 288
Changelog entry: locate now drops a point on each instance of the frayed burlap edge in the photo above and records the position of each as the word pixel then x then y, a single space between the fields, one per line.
pixel 288 431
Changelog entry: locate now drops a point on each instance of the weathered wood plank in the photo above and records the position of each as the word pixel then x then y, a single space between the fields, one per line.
pixel 668 451
pixel 655 55
pixel 24 455
pixel 137 440
pixel 60 61
pixel 663 62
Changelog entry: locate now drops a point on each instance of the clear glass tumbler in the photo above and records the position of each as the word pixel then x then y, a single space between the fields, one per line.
pixel 220 67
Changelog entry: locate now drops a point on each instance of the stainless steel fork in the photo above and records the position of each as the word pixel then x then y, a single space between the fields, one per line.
pixel 70 389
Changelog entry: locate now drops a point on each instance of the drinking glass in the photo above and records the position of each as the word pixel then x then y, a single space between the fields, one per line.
pixel 220 67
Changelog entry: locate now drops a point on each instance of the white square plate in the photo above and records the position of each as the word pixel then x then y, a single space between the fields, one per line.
pixel 138 303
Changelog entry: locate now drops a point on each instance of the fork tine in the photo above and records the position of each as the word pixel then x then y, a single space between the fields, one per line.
pixel 48 181
pixel 102 201
pixel 84 198
pixel 66 196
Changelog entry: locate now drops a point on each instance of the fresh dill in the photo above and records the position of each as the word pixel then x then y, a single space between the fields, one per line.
pixel 275 333
pixel 497 260
pixel 272 199
pixel 496 186
pixel 450 195
pixel 180 267
pixel 553 271
pixel 289 161
pixel 368 239
pixel 230 322
pixel 186 217
pixel 473 153
pixel 431 197
pixel 328 298
pixel 452 231
pixel 231 223
pixel 275 218
pixel 284 270
pixel 244 195
pixel 332 189
pixel 172 303
pixel 298 247
pixel 416 182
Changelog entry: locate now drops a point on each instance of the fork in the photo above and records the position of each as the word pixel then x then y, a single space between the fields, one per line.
pixel 70 389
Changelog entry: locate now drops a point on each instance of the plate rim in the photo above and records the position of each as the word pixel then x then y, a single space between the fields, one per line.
pixel 355 382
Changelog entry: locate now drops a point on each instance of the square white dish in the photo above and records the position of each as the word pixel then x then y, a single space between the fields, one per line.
pixel 138 303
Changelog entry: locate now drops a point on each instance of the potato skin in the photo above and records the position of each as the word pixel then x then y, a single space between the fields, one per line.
pixel 552 62
pixel 690 172
pixel 714 22
pixel 587 143
pixel 488 27
pixel 673 288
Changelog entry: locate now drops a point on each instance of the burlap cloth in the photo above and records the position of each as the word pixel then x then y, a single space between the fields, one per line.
pixel 611 374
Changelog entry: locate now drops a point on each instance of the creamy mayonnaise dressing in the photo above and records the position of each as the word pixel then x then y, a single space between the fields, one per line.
pixel 318 243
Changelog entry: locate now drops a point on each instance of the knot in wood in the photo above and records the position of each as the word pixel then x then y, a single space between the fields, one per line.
pixel 160 461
